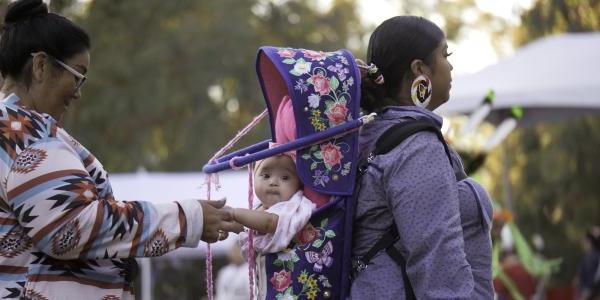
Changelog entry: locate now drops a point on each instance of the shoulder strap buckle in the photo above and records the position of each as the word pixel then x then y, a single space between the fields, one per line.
pixel 359 266
pixel 370 157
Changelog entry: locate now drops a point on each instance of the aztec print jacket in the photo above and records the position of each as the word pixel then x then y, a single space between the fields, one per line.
pixel 62 233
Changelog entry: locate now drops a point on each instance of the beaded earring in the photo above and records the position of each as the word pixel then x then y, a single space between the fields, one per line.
pixel 420 91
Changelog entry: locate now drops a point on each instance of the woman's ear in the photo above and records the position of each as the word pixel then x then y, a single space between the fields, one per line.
pixel 39 67
pixel 418 67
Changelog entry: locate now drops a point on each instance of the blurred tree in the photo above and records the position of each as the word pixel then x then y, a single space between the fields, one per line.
pixel 300 25
pixel 556 16
pixel 553 167
pixel 553 177
pixel 462 17
pixel 459 18
pixel 62 6
pixel 146 104
pixel 3 5
pixel 172 82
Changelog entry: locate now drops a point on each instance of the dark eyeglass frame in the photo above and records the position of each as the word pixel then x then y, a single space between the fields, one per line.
pixel 79 78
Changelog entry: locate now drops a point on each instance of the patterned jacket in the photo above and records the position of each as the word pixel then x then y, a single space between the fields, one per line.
pixel 62 233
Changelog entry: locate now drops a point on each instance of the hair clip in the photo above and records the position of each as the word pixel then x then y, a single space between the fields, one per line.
pixel 371 71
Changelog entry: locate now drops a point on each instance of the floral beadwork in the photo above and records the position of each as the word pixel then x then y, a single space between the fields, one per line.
pixel 330 85
pixel 325 79
pixel 315 243
pixel 330 154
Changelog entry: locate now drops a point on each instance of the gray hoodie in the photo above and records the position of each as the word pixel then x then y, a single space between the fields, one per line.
pixel 444 225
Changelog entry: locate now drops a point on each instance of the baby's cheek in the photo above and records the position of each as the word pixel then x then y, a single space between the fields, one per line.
pixel 259 191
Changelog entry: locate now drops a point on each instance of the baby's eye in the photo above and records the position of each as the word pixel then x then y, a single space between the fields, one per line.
pixel 265 176
pixel 285 177
pixel 448 54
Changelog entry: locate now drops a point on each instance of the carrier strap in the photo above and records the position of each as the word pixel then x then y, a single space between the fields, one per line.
pixel 389 140
pixel 387 242
pixel 396 134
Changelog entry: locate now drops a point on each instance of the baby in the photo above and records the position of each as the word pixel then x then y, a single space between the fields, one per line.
pixel 284 210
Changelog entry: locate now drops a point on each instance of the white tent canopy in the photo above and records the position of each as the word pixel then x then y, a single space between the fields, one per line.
pixel 550 77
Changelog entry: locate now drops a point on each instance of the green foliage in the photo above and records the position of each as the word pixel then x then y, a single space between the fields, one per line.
pixel 298 24
pixel 464 14
pixel 556 16
pixel 62 6
pixel 458 18
pixel 147 104
pixel 554 168
pixel 3 5
pixel 554 171
pixel 533 263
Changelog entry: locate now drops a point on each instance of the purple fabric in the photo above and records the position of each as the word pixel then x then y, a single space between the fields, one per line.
pixel 443 224
pixel 325 92
pixel 319 256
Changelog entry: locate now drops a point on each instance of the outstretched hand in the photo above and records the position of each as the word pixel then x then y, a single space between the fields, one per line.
pixel 218 221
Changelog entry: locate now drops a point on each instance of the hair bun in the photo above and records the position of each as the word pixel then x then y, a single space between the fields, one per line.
pixel 25 9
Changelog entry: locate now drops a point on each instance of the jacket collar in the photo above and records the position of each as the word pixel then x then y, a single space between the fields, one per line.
pixel 393 112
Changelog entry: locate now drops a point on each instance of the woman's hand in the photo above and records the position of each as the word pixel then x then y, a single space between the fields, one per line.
pixel 218 221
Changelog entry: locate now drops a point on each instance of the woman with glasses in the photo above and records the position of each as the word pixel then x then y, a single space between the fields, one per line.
pixel 62 233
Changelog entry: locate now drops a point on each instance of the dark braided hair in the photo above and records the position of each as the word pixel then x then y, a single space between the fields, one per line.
pixel 28 28
pixel 392 47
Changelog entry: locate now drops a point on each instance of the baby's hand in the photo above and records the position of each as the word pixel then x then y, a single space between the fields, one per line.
pixel 218 221
pixel 230 211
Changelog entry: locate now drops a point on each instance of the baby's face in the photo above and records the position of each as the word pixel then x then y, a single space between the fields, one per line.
pixel 275 180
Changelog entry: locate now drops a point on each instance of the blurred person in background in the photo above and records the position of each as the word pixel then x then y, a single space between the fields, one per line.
pixel 232 280
pixel 511 279
pixel 514 282
pixel 63 235
pixel 588 274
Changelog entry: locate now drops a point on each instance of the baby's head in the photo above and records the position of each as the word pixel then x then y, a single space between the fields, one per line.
pixel 275 180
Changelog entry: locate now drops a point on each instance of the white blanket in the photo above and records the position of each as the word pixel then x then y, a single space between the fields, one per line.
pixel 293 215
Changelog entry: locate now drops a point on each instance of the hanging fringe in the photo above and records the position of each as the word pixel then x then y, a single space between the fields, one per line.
pixel 209 180
pixel 251 262
pixel 239 135
pixel 209 273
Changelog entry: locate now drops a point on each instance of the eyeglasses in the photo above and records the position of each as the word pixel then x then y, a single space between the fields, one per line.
pixel 79 78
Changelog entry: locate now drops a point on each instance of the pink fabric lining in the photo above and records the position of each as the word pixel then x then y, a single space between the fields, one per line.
pixel 285 131
pixel 275 87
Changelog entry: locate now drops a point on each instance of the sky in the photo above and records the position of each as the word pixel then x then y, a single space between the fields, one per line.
pixel 474 51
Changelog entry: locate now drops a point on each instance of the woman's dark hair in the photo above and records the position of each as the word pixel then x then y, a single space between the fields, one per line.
pixel 28 28
pixel 392 47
